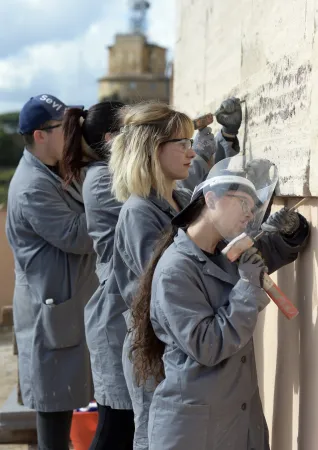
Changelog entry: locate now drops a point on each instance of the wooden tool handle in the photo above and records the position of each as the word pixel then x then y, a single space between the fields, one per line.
pixel 203 121
pixel 293 208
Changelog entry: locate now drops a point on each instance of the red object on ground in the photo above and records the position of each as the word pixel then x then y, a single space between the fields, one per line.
pixel 83 429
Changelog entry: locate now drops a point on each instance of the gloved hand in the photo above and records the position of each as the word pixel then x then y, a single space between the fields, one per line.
pixel 204 144
pixel 229 115
pixel 252 267
pixel 283 221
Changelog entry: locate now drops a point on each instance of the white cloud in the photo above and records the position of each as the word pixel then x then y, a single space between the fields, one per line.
pixel 69 67
pixel 36 21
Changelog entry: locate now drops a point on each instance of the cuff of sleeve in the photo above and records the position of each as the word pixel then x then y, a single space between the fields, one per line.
pixel 300 235
pixel 245 286
pixel 229 137
pixel 205 160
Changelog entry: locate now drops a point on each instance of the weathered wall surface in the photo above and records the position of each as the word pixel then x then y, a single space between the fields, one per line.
pixel 267 54
pixel 286 352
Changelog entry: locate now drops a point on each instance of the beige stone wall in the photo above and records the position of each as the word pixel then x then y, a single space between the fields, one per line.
pixel 266 53
pixel 286 351
pixel 127 56
pixel 136 71
pixel 155 59
pixel 132 55
pixel 136 90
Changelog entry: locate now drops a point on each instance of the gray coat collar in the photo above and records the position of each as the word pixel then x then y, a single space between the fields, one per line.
pixel 74 189
pixel 186 245
pixel 182 197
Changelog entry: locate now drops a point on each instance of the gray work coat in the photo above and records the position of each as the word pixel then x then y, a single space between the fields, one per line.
pixel 206 315
pixel 104 323
pixel 54 260
pixel 140 224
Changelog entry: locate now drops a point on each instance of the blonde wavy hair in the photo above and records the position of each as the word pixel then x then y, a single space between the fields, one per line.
pixel 134 161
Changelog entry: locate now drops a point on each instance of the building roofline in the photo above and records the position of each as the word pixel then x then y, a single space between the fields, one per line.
pixel 147 43
pixel 141 77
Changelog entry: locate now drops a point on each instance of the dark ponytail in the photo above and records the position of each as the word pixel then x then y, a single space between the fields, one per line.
pixel 99 120
pixel 72 161
pixel 147 350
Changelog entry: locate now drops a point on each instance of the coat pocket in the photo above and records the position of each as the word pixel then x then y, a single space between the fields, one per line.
pixel 178 426
pixel 63 324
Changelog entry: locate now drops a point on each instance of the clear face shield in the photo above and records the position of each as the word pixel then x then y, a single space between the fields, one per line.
pixel 237 193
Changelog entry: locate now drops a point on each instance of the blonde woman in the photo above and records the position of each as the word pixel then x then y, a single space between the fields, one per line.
pixel 152 151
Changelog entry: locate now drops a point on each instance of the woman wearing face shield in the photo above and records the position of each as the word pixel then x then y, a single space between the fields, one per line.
pixel 195 313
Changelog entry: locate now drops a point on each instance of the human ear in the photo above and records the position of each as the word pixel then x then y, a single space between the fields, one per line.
pixel 39 136
pixel 210 200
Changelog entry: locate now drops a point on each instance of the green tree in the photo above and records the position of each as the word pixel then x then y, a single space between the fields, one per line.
pixel 11 145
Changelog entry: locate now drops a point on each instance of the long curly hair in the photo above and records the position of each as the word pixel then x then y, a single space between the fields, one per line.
pixel 147 350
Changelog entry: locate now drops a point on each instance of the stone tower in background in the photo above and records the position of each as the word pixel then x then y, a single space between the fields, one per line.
pixel 136 68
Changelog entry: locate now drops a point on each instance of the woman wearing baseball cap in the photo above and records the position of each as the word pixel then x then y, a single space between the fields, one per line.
pixel 195 313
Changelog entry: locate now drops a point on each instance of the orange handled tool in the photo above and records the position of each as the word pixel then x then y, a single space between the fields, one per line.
pixel 205 120
pixel 284 304
pixel 242 243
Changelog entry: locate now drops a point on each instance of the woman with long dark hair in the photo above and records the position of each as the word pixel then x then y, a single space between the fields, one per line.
pixel 88 136
pixel 195 313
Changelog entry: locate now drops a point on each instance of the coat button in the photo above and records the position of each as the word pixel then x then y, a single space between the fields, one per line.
pixel 243 359
pixel 243 407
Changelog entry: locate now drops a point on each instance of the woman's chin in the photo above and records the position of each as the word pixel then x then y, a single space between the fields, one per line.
pixel 184 174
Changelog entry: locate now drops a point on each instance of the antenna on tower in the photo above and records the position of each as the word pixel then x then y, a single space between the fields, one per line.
pixel 138 16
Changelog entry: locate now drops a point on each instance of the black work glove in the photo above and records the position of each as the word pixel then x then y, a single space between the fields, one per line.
pixel 204 144
pixel 252 267
pixel 283 221
pixel 229 114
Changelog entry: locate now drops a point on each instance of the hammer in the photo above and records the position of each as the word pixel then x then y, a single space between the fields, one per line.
pixel 205 120
pixel 242 243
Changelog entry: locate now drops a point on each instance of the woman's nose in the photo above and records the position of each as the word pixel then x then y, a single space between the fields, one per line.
pixel 191 153
pixel 250 215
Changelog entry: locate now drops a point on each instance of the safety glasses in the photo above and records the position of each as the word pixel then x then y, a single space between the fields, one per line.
pixel 51 127
pixel 244 204
pixel 185 143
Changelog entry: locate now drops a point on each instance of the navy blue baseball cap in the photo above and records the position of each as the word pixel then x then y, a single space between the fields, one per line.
pixel 39 110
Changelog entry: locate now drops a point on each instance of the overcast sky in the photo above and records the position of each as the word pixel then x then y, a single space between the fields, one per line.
pixel 58 47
